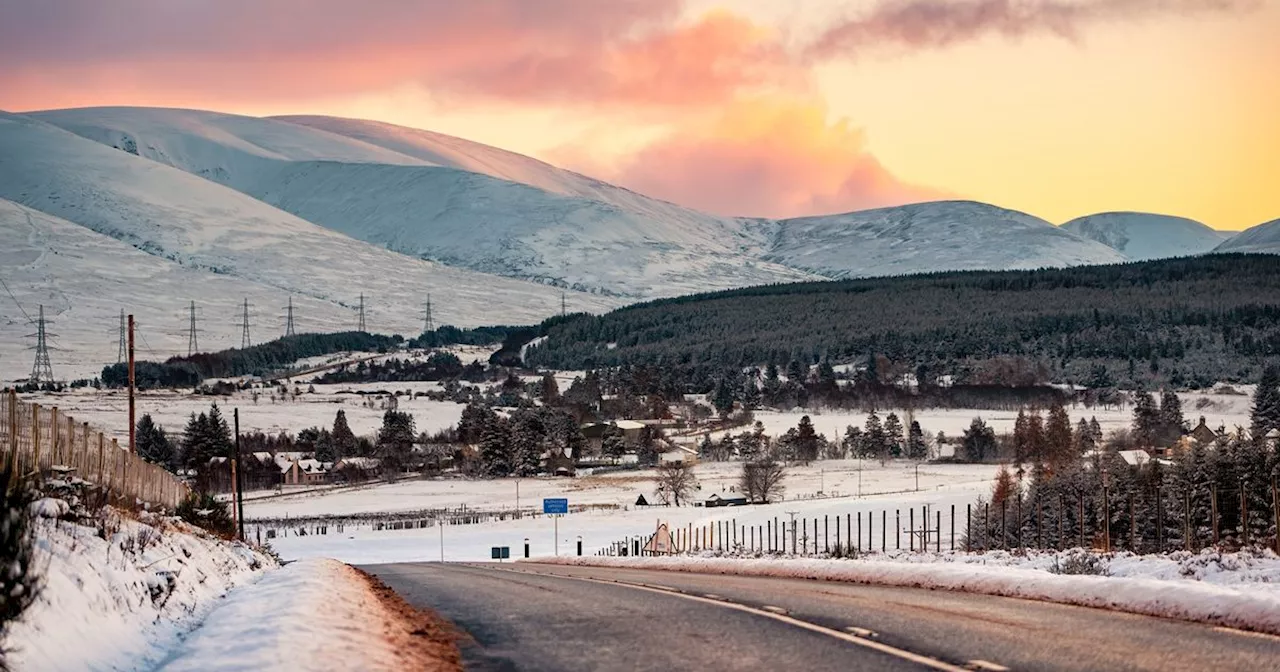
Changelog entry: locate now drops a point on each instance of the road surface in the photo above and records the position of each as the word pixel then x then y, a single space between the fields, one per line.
pixel 545 617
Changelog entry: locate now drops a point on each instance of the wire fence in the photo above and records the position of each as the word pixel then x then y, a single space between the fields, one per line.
pixel 41 441
pixel 1181 520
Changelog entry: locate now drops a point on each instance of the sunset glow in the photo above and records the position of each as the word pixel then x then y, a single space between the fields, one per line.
pixel 1060 108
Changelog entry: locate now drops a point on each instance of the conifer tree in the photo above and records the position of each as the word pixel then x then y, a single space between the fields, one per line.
pixel 496 456
pixel 893 434
pixel 1172 425
pixel 1146 419
pixel 395 441
pixel 1057 438
pixel 979 441
pixel 153 444
pixel 344 440
pixel 1265 416
pixel 873 438
pixel 806 441
pixel 916 447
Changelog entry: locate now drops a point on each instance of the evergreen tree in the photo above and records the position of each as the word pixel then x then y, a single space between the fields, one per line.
pixel 806 441
pixel 1172 425
pixel 893 434
pixel 527 443
pixel 853 441
pixel 496 456
pixel 153 444
pixel 796 373
pixel 1021 439
pixel 1035 438
pixel 221 443
pixel 344 440
pixel 326 449
pixel 722 398
pixel 979 441
pixel 1266 404
pixel 395 441
pixel 874 443
pixel 548 390
pixel 772 388
pixel 1146 419
pixel 1059 446
pixel 917 449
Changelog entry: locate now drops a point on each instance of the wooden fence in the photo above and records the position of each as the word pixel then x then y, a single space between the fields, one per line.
pixel 41 440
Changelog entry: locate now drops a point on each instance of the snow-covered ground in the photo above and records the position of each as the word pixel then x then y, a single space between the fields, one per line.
pixel 311 615
pixel 1232 589
pixel 940 487
pixel 121 602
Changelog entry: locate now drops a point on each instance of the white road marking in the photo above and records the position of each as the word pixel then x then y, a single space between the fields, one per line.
pixel 986 666
pixel 779 615
pixel 710 596
pixel 860 632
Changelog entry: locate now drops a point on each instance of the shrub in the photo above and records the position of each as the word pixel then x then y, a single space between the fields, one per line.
pixel 20 581
pixel 204 510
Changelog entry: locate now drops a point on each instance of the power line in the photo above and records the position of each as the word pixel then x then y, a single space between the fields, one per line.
pixel 288 325
pixel 361 328
pixel 245 342
pixel 42 369
pixel 120 357
pixel 193 343
pixel 429 323
pixel 15 301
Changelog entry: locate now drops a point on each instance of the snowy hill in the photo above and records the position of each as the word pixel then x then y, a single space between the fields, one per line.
pixel 102 231
pixel 924 237
pixel 1141 236
pixel 446 199
pixel 1263 238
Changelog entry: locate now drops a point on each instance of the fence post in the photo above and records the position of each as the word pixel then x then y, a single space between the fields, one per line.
pixel 826 529
pixel 897 529
pixel 986 527
pixel 53 438
pixel 1080 502
pixel 35 437
pixel 1039 524
pixel 937 538
pixel 12 461
pixel 884 529
pixel 1106 521
pixel 102 456
pixel 953 527
pixel 911 528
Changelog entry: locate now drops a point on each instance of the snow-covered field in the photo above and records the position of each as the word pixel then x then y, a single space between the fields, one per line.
pixel 121 602
pixel 940 487
pixel 1232 589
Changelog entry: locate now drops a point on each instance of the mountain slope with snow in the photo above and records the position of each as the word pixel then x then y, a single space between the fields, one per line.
pixel 925 237
pixel 1141 236
pixel 103 230
pixel 457 202
pixel 1263 238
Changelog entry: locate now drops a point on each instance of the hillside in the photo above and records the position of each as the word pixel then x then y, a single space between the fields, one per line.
pixel 924 237
pixel 469 205
pixel 1141 236
pixel 454 202
pixel 1185 321
pixel 1263 238
pixel 160 237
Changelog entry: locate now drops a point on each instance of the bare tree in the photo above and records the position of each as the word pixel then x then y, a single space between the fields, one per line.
pixel 675 482
pixel 762 480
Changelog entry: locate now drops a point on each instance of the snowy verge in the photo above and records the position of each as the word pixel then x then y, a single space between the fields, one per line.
pixel 1240 590
pixel 309 615
pixel 119 592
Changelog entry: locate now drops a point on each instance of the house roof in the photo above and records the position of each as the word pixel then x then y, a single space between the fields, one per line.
pixel 359 462
pixel 628 424
pixel 1135 458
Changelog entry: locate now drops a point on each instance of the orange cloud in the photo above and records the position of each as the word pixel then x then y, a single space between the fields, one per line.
pixel 768 156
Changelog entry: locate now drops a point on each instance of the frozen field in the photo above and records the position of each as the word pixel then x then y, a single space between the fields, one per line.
pixel 940 486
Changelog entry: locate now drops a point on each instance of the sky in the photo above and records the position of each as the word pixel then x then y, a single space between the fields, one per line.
pixel 1059 108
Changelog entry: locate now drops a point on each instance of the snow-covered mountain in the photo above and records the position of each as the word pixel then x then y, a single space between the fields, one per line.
pixel 1263 238
pixel 923 237
pixel 103 230
pixel 1141 236
pixel 446 199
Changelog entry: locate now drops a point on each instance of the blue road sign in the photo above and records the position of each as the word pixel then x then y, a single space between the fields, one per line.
pixel 555 505
pixel 500 552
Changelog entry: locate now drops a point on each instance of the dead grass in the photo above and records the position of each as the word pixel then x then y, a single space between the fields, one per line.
pixel 423 639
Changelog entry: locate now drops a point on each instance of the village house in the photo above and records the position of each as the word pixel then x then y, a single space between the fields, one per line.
pixel 305 472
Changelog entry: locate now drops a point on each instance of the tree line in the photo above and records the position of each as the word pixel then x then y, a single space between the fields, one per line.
pixel 1180 322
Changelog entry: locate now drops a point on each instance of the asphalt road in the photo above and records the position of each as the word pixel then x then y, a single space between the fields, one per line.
pixel 545 617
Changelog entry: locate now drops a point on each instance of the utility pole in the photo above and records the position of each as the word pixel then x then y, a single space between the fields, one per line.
pixel 42 369
pixel 193 343
pixel 361 327
pixel 133 421
pixel 288 320
pixel 121 355
pixel 245 342
pixel 562 304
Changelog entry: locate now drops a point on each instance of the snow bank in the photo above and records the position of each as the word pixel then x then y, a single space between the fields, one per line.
pixel 309 615
pixel 118 593
pixel 1233 589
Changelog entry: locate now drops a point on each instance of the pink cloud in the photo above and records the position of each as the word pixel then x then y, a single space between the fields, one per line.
pixel 774 157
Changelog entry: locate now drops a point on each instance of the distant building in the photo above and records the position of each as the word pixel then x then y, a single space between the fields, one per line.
pixel 305 472
pixel 1202 434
